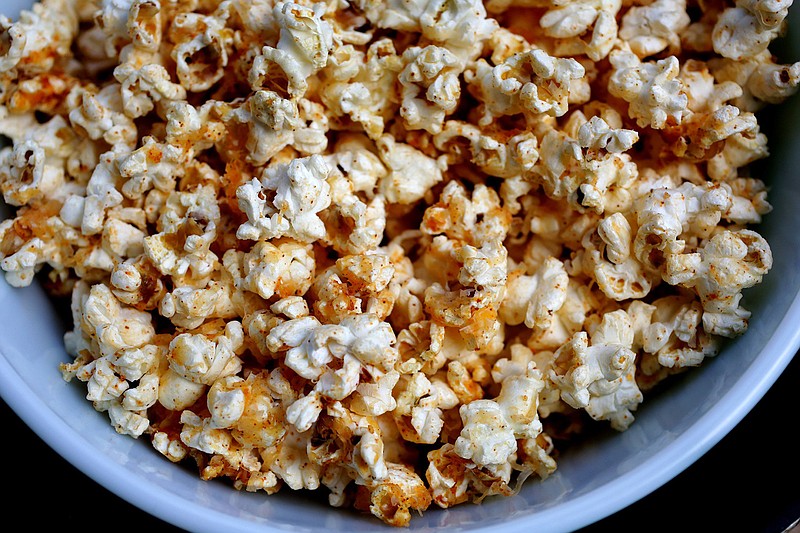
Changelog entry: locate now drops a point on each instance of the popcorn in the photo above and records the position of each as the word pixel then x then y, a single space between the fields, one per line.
pixel 599 377
pixel 286 269
pixel 533 300
pixel 652 88
pixel 187 225
pixel 303 47
pixel 531 82
pixel 145 87
pixel 748 28
pixel 570 21
pixel 403 160
pixel 40 38
pixel 201 359
pixel 729 262
pixel 300 193
pixel 101 115
pixel 654 28
pixel 385 248
pixel 431 88
pixel 200 51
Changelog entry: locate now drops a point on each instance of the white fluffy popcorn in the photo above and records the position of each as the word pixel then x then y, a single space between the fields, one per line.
pixel 303 47
pixel 532 82
pixel 651 88
pixel 300 191
pixel 597 374
pixel 386 249
pixel 487 438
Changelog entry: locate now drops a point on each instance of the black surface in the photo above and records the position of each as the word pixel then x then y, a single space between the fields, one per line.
pixel 746 483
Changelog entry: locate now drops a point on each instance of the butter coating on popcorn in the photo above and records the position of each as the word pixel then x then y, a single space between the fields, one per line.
pixel 386 249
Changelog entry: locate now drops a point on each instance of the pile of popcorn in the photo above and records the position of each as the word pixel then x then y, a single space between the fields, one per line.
pixel 397 251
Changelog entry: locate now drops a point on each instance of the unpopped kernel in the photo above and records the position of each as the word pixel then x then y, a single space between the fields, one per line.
pixel 386 250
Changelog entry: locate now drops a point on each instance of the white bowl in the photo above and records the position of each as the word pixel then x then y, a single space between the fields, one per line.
pixel 673 427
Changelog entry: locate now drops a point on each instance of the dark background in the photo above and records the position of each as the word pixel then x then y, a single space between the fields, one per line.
pixel 746 483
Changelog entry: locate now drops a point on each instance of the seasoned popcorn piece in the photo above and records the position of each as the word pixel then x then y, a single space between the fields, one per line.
pixel 420 346
pixel 728 263
pixel 652 89
pixel 607 259
pixel 284 268
pixel 454 480
pixel 531 82
pixel 671 329
pixel 404 161
pixel 706 92
pixel 100 115
pixel 495 155
pixel 288 460
pixel 392 498
pixel 665 215
pixel 103 325
pixel 431 87
pixel 360 86
pixel 104 384
pixel 461 26
pixel 534 299
pixel 112 19
pixel 355 284
pixel 201 45
pixel 274 123
pixel 201 358
pixel 655 28
pixel 15 39
pixel 188 307
pixel 702 135
pixel 124 421
pixel 375 399
pixel 353 225
pixel 145 87
pixel 28 173
pixel 200 434
pixel 153 165
pixel 419 412
pixel 305 42
pixel 569 22
pixel 748 28
pixel 195 129
pixel 773 83
pixel 286 201
pixel 476 219
pixel 187 227
pixel 311 346
pixel 487 438
pixel 21 264
pixel 599 376
pixel 145 24
pixel 519 401
pixel 137 283
pixel 40 39
pixel 356 157
pixel 481 279
pixel 574 169
pixel 171 448
pixel 177 393
pixel 88 212
pixel 596 134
